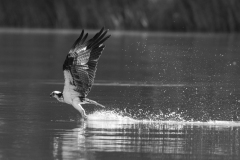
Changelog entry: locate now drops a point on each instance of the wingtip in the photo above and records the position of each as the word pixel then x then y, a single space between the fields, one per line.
pixel 82 31
pixel 103 29
pixel 81 35
pixel 106 31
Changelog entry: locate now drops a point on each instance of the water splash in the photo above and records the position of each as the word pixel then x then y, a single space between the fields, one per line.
pixel 140 115
pixel 108 116
pixel 114 119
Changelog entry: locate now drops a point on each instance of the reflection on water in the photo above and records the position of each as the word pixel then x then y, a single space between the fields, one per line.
pixel 148 140
pixel 167 96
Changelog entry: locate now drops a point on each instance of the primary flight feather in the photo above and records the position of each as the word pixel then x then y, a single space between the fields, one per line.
pixel 79 69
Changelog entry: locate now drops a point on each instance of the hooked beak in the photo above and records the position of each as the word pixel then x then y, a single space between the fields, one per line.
pixel 51 95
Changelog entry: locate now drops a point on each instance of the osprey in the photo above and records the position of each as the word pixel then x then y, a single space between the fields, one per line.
pixel 79 69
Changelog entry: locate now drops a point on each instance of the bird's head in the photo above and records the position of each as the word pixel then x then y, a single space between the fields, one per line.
pixel 57 94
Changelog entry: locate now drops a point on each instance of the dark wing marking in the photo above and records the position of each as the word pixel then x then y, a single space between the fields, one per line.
pixel 82 60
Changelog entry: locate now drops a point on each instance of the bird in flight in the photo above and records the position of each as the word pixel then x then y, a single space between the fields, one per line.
pixel 79 69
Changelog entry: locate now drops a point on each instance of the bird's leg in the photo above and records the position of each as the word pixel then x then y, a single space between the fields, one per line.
pixel 95 103
pixel 78 107
pixel 82 111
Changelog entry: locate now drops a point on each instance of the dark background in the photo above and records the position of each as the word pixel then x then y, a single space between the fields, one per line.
pixel 147 15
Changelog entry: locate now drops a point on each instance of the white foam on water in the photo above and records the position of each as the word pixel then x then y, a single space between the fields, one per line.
pixel 217 123
pixel 108 120
pixel 108 116
pixel 196 123
pixel 113 119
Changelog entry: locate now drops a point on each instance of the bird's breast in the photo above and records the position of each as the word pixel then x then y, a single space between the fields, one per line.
pixel 69 92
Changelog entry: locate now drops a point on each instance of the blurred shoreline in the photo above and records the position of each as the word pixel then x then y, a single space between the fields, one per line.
pixel 138 15
pixel 113 32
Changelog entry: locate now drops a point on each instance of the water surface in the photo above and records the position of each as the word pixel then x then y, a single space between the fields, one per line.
pixel 167 96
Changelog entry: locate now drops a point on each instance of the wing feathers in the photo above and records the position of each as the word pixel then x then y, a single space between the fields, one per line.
pixel 100 42
pixel 96 35
pixel 96 40
pixel 82 60
pixel 76 47
pixel 77 41
pixel 84 38
pixel 97 50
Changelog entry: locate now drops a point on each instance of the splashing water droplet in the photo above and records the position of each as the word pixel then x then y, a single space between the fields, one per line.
pixel 108 115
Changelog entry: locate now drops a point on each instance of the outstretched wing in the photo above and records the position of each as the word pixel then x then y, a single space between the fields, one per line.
pixel 82 60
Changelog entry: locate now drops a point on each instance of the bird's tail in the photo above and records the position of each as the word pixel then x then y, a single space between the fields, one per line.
pixel 95 103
